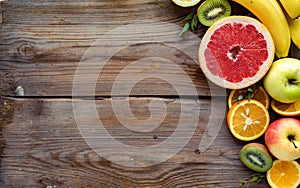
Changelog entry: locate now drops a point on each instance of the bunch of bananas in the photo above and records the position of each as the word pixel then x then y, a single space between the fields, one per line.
pixel 281 17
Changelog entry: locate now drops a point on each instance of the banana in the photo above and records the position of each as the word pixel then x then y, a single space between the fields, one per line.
pixel 271 15
pixel 292 7
pixel 295 31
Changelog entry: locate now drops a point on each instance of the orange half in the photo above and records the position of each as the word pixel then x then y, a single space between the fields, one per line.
pixel 284 174
pixel 286 109
pixel 258 94
pixel 248 120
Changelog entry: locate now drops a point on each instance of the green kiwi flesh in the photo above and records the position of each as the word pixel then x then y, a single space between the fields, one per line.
pixel 256 158
pixel 211 11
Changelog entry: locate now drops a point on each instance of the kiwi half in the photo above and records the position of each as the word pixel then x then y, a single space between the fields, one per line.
pixel 211 11
pixel 256 157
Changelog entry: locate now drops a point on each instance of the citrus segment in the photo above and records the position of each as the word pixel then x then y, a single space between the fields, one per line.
pixel 186 3
pixel 286 109
pixel 284 174
pixel 248 120
pixel 257 94
pixel 236 52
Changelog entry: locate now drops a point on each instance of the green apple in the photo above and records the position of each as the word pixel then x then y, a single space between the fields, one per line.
pixel 282 81
pixel 282 138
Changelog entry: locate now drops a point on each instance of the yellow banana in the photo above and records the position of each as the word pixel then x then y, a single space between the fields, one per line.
pixel 295 31
pixel 292 7
pixel 271 15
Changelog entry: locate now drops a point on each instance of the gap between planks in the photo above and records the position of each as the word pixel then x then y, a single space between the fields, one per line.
pixel 105 97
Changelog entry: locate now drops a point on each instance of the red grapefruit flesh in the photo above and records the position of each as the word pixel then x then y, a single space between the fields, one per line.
pixel 236 52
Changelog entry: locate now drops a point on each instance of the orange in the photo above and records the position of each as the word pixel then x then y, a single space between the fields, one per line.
pixel 258 94
pixel 236 52
pixel 248 120
pixel 286 109
pixel 186 3
pixel 284 174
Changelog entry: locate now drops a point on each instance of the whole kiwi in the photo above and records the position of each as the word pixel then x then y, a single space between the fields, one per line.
pixel 211 11
pixel 256 157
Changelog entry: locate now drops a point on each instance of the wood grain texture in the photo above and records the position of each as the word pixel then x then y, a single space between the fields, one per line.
pixel 0 14
pixel 42 148
pixel 42 44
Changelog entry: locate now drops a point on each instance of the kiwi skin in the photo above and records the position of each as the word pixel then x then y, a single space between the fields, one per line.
pixel 216 9
pixel 258 151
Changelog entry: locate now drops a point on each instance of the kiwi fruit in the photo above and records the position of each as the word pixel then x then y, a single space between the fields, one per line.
pixel 256 157
pixel 211 11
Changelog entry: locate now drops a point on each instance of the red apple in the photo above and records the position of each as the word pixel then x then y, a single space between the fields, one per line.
pixel 282 138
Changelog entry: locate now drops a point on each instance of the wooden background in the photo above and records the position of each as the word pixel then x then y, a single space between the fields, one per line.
pixel 41 44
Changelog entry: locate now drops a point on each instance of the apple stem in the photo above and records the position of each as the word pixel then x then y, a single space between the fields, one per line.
pixel 295 82
pixel 291 138
pixel 294 144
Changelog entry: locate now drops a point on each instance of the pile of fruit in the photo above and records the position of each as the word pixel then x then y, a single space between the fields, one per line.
pixel 249 57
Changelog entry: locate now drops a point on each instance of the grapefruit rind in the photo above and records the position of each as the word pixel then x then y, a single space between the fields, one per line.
pixel 263 69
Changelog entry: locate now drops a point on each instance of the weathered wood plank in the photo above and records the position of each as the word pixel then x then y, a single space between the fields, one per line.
pixel 42 44
pixel 44 78
pixel 42 146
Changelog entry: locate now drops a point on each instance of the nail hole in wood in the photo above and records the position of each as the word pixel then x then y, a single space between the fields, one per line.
pixel 197 151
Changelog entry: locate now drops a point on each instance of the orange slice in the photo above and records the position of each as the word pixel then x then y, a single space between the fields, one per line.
pixel 286 109
pixel 186 3
pixel 258 94
pixel 248 120
pixel 284 174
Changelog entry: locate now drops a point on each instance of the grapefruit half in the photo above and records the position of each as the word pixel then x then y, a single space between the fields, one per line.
pixel 236 52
